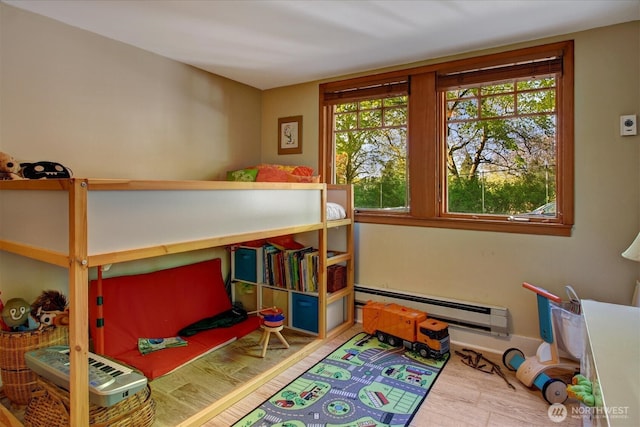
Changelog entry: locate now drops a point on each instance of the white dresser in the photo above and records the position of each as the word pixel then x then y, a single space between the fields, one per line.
pixel 612 362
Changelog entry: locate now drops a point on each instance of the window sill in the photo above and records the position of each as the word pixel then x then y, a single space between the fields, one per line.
pixel 499 226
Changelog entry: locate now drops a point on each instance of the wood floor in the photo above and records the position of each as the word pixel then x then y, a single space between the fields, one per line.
pixel 461 396
pixel 192 388
pixel 182 394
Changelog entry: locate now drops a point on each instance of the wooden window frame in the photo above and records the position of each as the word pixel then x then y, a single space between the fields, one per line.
pixel 427 172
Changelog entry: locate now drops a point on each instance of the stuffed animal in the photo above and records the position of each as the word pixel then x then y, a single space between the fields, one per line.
pixel 9 167
pixel 50 308
pixel 45 170
pixel 582 390
pixel 62 318
pixel 16 314
pixel 55 317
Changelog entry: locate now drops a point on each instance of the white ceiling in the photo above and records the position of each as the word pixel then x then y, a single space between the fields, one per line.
pixel 267 44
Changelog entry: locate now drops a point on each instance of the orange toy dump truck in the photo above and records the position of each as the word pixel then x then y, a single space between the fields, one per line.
pixel 398 325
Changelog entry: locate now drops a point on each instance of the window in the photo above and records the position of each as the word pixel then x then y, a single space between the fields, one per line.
pixel 500 146
pixel 370 138
pixel 481 143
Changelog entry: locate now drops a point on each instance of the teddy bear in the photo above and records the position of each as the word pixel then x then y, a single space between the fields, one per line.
pixel 9 167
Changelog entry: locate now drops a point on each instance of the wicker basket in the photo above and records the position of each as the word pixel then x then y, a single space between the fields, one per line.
pixel 336 277
pixel 17 379
pixel 49 407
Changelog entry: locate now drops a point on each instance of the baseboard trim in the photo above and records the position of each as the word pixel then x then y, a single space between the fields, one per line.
pixel 484 342
pixel 492 344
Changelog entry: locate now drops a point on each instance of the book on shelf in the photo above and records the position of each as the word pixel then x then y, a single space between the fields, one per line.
pixel 292 269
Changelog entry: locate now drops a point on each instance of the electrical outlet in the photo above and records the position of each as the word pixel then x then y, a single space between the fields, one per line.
pixel 629 125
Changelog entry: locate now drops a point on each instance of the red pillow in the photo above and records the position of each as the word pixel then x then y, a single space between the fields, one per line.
pixel 271 175
pixel 284 173
pixel 302 171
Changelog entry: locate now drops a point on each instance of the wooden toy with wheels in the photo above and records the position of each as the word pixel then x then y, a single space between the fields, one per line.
pixel 531 371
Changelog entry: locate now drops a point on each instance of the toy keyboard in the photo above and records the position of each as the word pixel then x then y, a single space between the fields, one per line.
pixel 109 382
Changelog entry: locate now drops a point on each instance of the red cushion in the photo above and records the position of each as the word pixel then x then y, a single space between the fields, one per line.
pixel 158 305
pixel 285 173
pixel 302 171
pixel 158 363
pixel 271 175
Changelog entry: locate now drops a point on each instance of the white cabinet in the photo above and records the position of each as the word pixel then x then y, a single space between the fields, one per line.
pixel 612 362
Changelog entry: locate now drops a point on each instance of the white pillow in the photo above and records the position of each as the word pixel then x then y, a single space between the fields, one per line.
pixel 335 211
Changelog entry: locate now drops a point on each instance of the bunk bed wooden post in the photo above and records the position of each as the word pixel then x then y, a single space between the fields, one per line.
pixel 322 268
pixel 343 194
pixel 350 297
pixel 79 296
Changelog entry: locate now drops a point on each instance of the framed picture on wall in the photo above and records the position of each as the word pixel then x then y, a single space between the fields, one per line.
pixel 290 135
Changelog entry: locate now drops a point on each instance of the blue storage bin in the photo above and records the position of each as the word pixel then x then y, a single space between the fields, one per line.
pixel 305 312
pixel 247 264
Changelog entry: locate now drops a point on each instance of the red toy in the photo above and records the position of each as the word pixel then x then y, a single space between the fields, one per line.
pixel 272 317
pixel 272 322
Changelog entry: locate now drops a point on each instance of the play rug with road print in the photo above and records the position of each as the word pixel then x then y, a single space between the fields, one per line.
pixel 362 383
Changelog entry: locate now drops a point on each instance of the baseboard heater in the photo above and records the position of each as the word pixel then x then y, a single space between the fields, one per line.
pixel 480 317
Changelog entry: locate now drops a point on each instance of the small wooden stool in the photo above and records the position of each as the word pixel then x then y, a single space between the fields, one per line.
pixel 266 334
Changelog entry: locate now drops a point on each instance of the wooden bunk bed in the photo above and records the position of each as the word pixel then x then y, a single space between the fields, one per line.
pixel 91 223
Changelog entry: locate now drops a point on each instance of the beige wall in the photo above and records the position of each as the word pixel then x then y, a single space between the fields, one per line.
pixel 299 100
pixel 490 267
pixel 109 110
